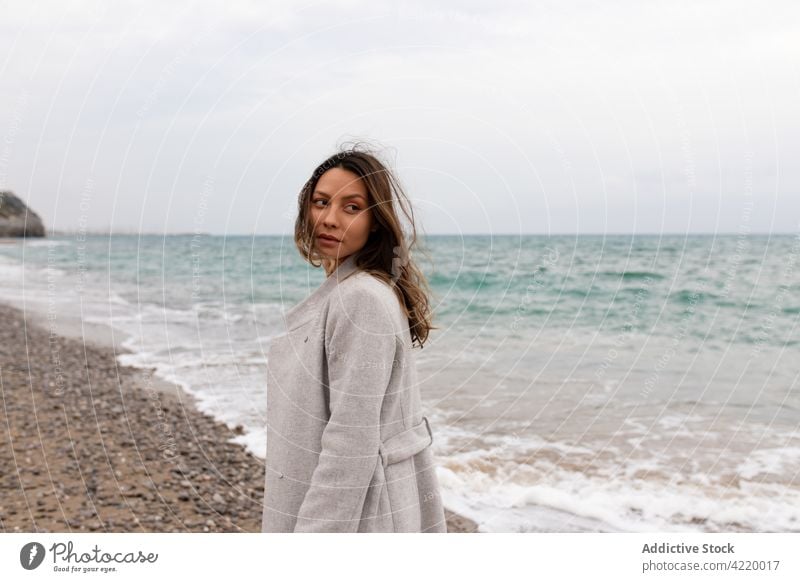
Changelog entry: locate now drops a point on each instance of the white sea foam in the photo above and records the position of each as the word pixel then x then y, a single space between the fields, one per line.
pixel 512 497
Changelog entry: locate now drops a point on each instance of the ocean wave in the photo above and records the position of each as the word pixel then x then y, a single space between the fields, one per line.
pixel 29 242
pixel 632 275
pixel 504 494
pixel 687 296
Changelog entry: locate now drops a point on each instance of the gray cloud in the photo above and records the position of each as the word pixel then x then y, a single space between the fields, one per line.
pixel 509 117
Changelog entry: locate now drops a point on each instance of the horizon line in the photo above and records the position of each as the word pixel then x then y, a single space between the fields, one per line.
pixel 62 232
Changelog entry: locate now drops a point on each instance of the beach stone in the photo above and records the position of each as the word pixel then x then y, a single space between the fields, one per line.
pixel 103 469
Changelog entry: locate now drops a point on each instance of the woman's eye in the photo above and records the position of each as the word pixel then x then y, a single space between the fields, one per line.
pixel 354 207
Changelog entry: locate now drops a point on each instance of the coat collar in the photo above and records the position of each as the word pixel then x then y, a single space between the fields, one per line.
pixel 307 308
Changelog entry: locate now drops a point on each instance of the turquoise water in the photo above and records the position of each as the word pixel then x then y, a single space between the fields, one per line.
pixel 576 383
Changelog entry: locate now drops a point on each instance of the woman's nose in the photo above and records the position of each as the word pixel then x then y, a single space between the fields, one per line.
pixel 328 216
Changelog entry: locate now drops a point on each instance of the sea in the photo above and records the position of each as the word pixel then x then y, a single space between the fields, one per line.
pixel 627 383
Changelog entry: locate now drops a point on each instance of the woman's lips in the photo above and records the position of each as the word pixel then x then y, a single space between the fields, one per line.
pixel 328 242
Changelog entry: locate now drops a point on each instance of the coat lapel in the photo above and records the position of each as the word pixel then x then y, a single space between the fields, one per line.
pixel 307 309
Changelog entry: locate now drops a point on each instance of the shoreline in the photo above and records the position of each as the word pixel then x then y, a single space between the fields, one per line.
pixel 92 445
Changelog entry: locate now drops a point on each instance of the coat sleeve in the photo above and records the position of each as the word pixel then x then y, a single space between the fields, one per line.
pixel 361 348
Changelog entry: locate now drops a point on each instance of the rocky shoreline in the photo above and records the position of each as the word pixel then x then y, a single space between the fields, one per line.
pixel 89 445
pixel 16 219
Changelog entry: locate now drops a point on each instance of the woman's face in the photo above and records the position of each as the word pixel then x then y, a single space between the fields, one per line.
pixel 340 209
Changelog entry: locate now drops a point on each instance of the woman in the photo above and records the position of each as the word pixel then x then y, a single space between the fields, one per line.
pixel 348 449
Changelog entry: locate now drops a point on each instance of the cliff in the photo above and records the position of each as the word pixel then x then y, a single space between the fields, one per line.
pixel 16 219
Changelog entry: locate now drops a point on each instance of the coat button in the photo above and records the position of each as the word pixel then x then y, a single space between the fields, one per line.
pixel 305 340
pixel 280 476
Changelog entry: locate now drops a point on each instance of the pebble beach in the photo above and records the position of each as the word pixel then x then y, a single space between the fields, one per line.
pixel 87 444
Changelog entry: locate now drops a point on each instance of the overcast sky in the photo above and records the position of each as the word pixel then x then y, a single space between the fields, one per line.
pixel 500 117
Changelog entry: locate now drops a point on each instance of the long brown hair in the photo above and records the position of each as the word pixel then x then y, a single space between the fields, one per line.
pixel 387 252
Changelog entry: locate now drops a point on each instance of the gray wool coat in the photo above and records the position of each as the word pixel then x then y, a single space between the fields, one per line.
pixel 348 449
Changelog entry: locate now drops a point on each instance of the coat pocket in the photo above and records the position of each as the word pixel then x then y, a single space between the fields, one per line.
pixel 397 456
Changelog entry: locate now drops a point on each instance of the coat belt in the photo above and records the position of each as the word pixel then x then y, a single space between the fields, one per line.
pixel 407 443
